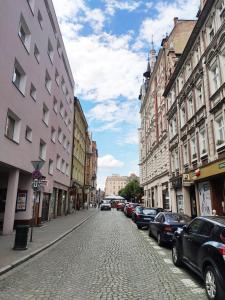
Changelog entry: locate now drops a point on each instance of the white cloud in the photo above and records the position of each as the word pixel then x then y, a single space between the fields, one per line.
pixel 131 138
pixel 108 161
pixel 163 22
pixel 113 5
pixel 110 114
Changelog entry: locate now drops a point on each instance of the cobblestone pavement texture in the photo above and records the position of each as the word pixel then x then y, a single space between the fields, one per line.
pixel 105 258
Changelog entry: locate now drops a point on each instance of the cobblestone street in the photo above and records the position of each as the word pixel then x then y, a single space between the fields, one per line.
pixel 105 258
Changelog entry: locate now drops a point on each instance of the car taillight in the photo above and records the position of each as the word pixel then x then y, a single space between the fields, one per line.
pixel 167 228
pixel 222 250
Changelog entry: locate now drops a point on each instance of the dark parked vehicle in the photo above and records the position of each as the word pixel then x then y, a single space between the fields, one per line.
pixel 143 215
pixel 164 225
pixel 201 246
pixel 128 209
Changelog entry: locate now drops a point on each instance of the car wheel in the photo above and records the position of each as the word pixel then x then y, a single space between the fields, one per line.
pixel 176 255
pixel 213 288
pixel 150 232
pixel 159 241
pixel 139 226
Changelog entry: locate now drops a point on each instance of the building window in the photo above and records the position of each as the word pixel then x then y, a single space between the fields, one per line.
pixel 211 32
pixel 190 107
pixel 58 162
pixel 68 147
pixel 182 115
pixel 19 77
pixel 57 78
pixel 12 128
pixel 199 96
pixel 50 167
pixel 215 78
pixel 31 5
pixel 63 85
pixel 28 134
pixel 42 150
pixel 220 137
pixel 63 166
pixel 61 110
pixel 59 48
pixel 48 82
pixel 53 135
pixel 64 141
pixel 202 141
pixel 36 53
pixel 66 118
pixel 193 148
pixel 55 105
pixel 40 19
pixel 60 135
pixel 50 51
pixel 185 154
pixel 221 8
pixel 176 160
pixel 45 114
pixel 24 33
pixel 33 92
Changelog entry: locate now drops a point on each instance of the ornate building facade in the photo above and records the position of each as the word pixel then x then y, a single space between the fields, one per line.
pixel 196 115
pixel 153 134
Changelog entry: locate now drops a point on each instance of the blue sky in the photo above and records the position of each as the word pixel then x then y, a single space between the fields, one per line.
pixel 107 43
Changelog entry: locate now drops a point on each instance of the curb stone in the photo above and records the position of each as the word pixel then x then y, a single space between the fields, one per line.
pixel 36 252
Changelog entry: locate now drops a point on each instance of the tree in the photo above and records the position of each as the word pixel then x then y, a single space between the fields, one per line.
pixel 132 191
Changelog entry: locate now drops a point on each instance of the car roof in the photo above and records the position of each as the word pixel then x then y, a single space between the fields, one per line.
pixel 215 219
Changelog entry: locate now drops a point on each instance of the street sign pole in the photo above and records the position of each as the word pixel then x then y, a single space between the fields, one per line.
pixel 36 175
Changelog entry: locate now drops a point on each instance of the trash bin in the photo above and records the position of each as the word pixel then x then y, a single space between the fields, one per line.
pixel 21 237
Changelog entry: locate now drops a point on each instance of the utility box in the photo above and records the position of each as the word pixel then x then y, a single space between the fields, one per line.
pixel 21 237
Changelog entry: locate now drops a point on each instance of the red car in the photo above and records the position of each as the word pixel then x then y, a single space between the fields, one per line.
pixel 120 206
pixel 128 210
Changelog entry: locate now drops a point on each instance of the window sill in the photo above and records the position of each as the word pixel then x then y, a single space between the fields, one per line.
pixel 220 147
pixel 14 141
pixel 23 94
pixel 26 48
pixel 46 124
pixel 30 141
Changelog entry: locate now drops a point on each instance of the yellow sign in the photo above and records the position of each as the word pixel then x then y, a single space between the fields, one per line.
pixel 209 170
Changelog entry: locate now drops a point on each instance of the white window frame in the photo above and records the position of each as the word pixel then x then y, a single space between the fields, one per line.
pixel 199 95
pixel 42 150
pixel 15 134
pixel 55 105
pixel 36 53
pixel 50 167
pixel 190 103
pixel 50 51
pixel 33 92
pixel 24 33
pixel 185 154
pixel 58 162
pixel 19 77
pixel 48 82
pixel 45 116
pixel 28 134
pixel 203 141
pixel 31 4
pixel 219 131
pixel 215 77
pixel 193 148
pixel 53 135
pixel 40 19
pixel 182 115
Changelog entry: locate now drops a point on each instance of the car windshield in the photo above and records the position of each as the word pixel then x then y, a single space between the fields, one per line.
pixel 177 218
pixel 148 211
pixel 106 201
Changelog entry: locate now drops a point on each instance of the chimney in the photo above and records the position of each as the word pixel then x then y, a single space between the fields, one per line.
pixel 175 20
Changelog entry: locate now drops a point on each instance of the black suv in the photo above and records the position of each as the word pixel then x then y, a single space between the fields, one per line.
pixel 201 246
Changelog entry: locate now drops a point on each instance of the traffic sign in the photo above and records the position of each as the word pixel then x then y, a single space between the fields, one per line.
pixel 37 164
pixel 36 174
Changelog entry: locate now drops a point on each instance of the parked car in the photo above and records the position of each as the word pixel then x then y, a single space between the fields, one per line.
pixel 143 215
pixel 120 206
pixel 105 205
pixel 130 208
pixel 164 225
pixel 201 247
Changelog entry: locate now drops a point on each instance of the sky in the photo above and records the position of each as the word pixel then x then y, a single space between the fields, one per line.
pixel 107 43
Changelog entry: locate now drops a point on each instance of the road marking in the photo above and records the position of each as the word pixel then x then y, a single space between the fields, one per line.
pixel 167 260
pixel 189 283
pixel 176 271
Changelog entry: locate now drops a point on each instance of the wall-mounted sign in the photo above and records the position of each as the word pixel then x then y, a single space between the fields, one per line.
pixel 205 199
pixel 222 165
pixel 21 202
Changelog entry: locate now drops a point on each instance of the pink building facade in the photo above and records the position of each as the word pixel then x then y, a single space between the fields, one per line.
pixel 36 113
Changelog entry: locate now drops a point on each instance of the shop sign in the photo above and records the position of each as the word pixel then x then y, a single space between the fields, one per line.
pixel 21 202
pixel 205 199
pixel 222 165
pixel 177 183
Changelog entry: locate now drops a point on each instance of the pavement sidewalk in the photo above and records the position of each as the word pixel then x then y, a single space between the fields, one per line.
pixel 43 237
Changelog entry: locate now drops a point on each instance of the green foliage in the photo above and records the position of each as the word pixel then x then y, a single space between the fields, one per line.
pixel 132 191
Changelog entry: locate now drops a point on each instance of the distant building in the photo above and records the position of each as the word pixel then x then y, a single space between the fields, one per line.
pixel 78 156
pixel 115 183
